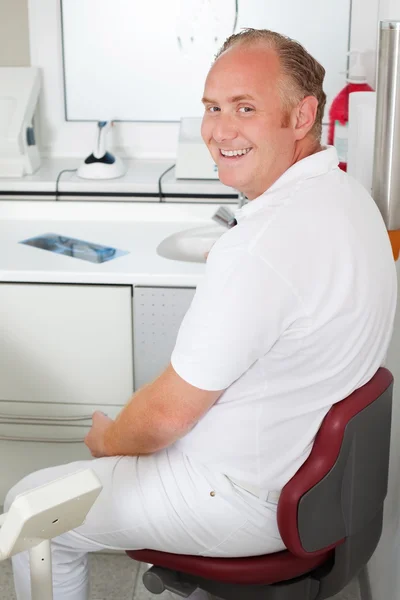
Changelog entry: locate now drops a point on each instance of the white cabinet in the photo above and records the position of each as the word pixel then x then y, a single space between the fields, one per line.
pixel 158 313
pixel 35 436
pixel 66 343
pixel 67 350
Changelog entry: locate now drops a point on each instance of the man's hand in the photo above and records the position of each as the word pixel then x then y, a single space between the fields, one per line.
pixel 94 440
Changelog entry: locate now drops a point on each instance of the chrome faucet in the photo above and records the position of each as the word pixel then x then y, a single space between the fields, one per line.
pixel 225 217
pixel 241 200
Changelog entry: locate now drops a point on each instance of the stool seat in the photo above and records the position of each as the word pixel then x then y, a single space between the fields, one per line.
pixel 255 570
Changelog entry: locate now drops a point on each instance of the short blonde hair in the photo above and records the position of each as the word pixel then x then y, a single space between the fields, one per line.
pixel 303 75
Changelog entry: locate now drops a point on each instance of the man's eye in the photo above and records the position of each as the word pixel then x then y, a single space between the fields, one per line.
pixel 213 109
pixel 246 109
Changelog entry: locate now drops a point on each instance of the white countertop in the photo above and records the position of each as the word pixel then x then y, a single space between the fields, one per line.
pixel 139 183
pixel 135 227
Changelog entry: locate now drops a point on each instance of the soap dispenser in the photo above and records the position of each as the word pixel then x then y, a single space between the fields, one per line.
pixel 356 81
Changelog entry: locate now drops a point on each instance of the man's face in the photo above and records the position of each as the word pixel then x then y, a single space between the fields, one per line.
pixel 242 123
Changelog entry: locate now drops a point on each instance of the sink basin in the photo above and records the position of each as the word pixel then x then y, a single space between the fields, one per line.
pixel 190 245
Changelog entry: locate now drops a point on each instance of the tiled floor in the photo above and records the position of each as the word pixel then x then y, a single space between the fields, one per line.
pixel 117 576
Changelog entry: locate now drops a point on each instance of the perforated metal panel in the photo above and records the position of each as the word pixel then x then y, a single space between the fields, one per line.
pixel 157 314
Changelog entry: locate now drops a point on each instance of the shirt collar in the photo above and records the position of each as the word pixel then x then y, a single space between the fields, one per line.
pixel 311 166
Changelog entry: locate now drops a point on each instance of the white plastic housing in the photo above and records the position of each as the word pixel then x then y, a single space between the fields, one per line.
pixel 98 170
pixel 19 93
pixel 193 159
pixel 48 511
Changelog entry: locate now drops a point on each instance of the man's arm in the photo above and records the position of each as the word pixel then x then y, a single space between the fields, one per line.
pixel 156 416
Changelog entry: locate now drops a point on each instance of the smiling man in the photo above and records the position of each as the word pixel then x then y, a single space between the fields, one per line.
pixel 295 311
pixel 263 110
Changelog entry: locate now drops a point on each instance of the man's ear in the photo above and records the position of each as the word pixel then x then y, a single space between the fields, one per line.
pixel 304 116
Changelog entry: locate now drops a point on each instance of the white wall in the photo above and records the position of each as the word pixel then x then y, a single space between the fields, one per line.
pixel 384 566
pixel 389 9
pixel 14 34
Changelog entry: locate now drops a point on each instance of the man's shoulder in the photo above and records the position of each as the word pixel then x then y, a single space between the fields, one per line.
pixel 331 184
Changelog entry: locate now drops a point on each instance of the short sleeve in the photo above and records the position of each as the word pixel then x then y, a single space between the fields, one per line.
pixel 240 309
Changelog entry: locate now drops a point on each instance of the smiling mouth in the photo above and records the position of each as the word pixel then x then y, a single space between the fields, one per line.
pixel 234 154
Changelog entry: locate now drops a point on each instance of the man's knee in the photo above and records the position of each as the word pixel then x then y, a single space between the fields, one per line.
pixel 26 483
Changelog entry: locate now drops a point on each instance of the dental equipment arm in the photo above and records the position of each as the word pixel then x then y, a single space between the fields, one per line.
pixel 38 515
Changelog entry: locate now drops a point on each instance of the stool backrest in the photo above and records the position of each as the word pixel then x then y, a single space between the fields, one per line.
pixel 341 487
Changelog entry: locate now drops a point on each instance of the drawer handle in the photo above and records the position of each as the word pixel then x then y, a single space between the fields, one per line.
pixel 25 418
pixel 12 438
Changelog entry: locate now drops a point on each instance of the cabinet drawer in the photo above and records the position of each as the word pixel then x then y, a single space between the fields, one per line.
pixel 40 438
pixel 19 458
pixel 59 414
pixel 41 431
pixel 158 313
pixel 66 343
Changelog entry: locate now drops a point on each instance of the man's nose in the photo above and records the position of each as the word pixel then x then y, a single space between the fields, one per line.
pixel 224 129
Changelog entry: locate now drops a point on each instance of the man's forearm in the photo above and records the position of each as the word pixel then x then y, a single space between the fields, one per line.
pixel 141 427
pixel 156 416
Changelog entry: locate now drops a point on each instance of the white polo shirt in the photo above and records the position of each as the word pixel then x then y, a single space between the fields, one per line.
pixel 295 312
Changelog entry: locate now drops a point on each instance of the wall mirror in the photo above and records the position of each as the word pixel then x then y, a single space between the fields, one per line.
pixel 129 60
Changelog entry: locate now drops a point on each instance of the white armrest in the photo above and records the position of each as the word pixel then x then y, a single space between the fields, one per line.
pixel 47 511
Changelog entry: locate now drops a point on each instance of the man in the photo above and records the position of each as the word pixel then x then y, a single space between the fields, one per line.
pixel 294 313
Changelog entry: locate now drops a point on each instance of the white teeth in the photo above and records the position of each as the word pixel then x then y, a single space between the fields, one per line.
pixel 235 152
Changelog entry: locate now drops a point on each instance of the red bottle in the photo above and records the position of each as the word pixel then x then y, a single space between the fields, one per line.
pixel 339 110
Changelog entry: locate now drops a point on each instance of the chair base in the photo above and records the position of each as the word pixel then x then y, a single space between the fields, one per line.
pixel 319 584
pixel 158 579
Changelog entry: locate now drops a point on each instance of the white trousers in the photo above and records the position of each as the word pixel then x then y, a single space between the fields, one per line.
pixel 162 502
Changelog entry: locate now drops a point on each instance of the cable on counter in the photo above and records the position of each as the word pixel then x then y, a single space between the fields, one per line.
pixel 160 194
pixel 58 179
